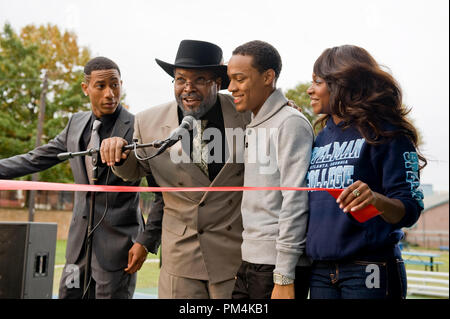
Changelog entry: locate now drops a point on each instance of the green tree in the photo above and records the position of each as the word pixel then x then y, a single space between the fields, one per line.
pixel 301 99
pixel 24 60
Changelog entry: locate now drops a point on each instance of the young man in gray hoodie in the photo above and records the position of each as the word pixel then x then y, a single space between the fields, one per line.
pixel 277 153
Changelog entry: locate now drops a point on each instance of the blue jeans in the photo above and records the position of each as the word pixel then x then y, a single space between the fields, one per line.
pixel 358 280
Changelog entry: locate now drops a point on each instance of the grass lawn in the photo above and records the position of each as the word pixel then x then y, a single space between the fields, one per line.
pixel 147 277
pixel 444 257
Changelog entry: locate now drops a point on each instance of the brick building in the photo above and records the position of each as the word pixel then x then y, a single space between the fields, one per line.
pixel 432 228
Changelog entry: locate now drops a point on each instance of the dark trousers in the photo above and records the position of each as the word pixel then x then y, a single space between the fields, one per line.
pixel 255 281
pixel 359 279
pixel 103 284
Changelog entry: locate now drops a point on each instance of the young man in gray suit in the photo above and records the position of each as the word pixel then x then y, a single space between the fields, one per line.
pixel 201 235
pixel 117 216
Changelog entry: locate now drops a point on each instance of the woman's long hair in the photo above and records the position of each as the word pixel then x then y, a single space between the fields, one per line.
pixel 363 95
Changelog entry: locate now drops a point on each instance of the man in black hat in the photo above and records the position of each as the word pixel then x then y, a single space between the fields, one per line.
pixel 201 237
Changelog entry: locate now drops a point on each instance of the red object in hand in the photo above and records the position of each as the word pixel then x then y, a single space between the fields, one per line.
pixel 361 215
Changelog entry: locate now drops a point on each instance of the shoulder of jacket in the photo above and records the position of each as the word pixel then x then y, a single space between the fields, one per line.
pixel 289 114
pixel 81 114
pixel 126 112
pixel 126 116
pixel 226 97
pixel 157 109
pixel 227 101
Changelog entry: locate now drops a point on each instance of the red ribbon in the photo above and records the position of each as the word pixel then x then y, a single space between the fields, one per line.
pixel 360 215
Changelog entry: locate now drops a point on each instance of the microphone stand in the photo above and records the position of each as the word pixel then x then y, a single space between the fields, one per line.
pixel 94 153
pixel 88 245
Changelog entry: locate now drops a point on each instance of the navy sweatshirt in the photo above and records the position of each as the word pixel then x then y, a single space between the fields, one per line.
pixel 341 157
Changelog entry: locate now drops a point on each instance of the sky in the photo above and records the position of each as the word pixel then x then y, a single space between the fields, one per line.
pixel 409 37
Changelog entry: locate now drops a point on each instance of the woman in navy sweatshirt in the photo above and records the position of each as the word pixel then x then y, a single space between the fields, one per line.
pixel 367 147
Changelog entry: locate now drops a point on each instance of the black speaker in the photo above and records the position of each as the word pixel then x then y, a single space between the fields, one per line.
pixel 27 259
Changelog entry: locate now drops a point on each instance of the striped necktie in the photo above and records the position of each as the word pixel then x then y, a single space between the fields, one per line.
pixel 93 143
pixel 200 148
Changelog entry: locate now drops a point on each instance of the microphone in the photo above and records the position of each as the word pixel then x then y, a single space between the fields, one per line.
pixel 186 124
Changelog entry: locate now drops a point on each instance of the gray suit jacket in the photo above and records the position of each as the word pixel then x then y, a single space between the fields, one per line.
pixel 201 235
pixel 123 220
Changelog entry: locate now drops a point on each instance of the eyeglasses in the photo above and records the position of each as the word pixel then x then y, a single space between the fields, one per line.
pixel 198 83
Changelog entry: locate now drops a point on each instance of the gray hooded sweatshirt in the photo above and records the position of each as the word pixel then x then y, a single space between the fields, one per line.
pixel 277 153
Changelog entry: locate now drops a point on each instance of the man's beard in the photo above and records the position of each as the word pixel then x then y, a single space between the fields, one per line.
pixel 206 104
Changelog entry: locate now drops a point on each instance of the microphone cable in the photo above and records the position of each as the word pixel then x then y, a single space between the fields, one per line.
pixel 161 143
pixel 91 233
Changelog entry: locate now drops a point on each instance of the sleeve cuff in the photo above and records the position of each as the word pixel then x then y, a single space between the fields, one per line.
pixel 412 214
pixel 151 243
pixel 286 263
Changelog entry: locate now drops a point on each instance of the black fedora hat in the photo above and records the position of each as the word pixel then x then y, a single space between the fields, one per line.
pixel 193 54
